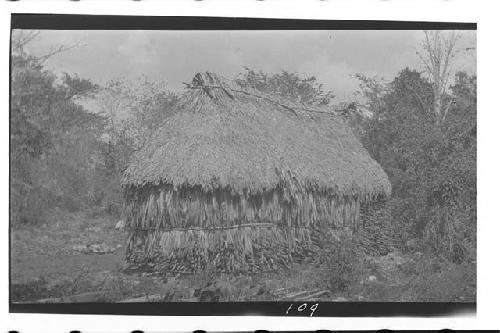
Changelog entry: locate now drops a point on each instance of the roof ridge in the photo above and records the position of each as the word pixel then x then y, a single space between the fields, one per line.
pixel 208 80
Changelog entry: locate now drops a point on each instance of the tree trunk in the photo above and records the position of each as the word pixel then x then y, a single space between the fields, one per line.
pixel 437 105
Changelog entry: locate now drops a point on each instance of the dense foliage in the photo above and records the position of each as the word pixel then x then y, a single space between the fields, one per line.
pixel 53 139
pixel 70 139
pixel 431 162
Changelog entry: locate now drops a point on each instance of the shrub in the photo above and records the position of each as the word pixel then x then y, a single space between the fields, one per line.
pixel 28 204
pixel 341 265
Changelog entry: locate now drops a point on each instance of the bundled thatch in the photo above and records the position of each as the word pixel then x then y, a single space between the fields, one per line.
pixel 235 169
pixel 376 235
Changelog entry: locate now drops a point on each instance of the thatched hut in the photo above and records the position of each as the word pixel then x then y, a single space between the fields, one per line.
pixel 237 179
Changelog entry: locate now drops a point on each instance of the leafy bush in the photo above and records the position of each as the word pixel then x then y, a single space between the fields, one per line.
pixel 431 162
pixel 340 264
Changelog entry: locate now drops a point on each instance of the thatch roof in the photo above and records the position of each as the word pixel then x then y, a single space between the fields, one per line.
pixel 224 137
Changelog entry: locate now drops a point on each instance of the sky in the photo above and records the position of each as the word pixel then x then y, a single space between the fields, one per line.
pixel 176 56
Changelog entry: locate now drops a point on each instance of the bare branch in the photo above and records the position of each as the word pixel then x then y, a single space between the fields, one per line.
pixel 60 49
pixel 20 38
pixel 425 62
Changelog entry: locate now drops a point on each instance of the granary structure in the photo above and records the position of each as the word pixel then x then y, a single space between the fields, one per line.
pixel 237 180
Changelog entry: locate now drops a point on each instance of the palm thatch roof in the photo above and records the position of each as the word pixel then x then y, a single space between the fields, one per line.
pixel 224 137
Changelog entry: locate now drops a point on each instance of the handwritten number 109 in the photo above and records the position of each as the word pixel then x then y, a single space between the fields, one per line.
pixel 303 307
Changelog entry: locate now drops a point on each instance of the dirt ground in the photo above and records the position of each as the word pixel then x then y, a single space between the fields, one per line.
pixel 26 268
pixel 72 254
pixel 54 250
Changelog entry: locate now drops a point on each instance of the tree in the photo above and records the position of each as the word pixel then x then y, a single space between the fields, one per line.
pixel 431 165
pixel 153 102
pixel 372 90
pixel 437 56
pixel 134 110
pixel 52 135
pixel 454 184
pixel 287 85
